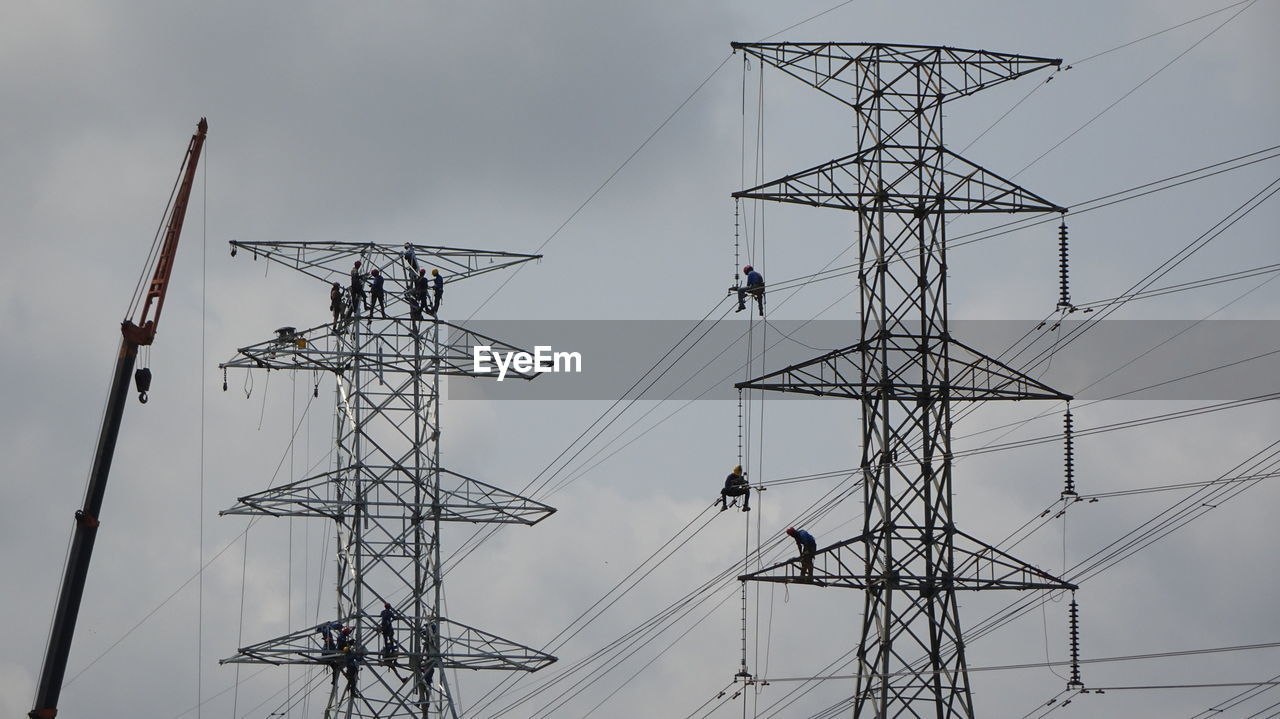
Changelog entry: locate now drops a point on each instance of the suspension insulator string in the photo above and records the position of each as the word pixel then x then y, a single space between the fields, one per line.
pixel 737 238
pixel 1073 614
pixel 1064 291
pixel 746 543
pixel 739 426
pixel 1069 455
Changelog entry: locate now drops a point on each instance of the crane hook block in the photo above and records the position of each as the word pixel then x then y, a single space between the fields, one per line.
pixel 142 380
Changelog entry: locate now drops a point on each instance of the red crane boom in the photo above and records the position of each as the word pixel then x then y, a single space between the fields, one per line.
pixel 134 335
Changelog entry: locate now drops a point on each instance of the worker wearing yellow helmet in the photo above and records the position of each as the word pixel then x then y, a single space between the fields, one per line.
pixel 437 289
pixel 735 485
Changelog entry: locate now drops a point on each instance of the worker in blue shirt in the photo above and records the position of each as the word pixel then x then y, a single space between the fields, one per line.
pixel 437 289
pixel 808 547
pixel 754 287
pixel 388 616
pixel 735 485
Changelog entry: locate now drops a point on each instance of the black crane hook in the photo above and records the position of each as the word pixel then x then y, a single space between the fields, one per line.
pixel 142 380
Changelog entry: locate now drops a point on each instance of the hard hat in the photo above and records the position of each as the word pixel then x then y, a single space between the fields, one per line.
pixel 791 530
pixel 374 271
pixel 357 263
pixel 422 271
pixel 737 470
pixel 347 630
pixel 435 273
pixel 386 605
pixel 748 268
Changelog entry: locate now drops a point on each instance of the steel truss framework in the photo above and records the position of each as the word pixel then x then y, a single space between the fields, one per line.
pixel 905 369
pixel 386 493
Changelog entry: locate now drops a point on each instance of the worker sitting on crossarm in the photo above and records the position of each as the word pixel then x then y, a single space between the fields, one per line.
pixel 735 485
pixel 754 287
pixel 808 547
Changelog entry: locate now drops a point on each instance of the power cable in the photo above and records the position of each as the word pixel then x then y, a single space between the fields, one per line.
pixel 1120 99
pixel 603 184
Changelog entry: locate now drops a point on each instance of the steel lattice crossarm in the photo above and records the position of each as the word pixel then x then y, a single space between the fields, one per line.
pixel 966 373
pixel 461 647
pixel 397 347
pixel 461 498
pixel 870 72
pixel 977 566
pixel 328 261
pixel 965 186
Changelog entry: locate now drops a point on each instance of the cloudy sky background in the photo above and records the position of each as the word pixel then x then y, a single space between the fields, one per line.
pixel 487 125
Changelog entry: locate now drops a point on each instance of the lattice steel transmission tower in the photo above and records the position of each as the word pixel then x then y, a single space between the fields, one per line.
pixel 906 369
pixel 387 494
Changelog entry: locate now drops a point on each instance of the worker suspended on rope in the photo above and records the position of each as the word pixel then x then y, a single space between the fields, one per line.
pixel 735 485
pixel 754 287
pixel 377 293
pixel 808 547
pixel 336 305
pixel 357 288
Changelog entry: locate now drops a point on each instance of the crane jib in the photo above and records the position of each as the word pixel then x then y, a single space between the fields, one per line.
pixel 133 335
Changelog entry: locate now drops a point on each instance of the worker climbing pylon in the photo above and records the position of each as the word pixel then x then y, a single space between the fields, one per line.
pixel 437 290
pixel 357 289
pixel 754 287
pixel 808 547
pixel 418 296
pixel 388 616
pixel 351 667
pixel 326 632
pixel 377 292
pixel 735 485
pixel 336 305
pixel 410 259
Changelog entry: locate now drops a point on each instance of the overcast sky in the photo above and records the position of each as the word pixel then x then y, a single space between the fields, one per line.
pixel 488 124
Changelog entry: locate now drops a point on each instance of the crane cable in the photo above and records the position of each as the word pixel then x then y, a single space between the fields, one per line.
pixel 204 322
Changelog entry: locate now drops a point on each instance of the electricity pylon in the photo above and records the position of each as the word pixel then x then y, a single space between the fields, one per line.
pixel 387 494
pixel 905 369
